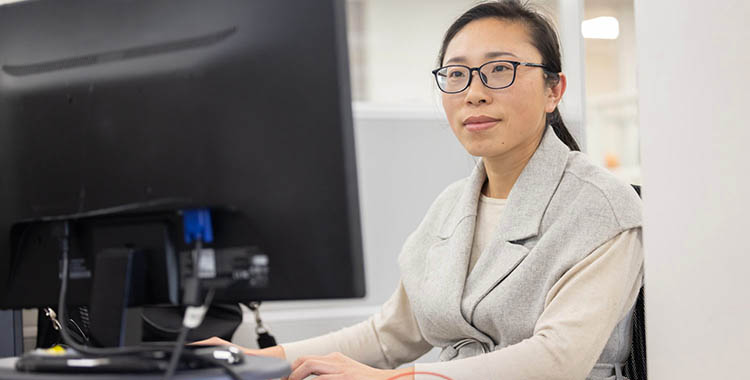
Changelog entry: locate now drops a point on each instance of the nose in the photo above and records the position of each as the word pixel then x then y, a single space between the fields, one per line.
pixel 477 93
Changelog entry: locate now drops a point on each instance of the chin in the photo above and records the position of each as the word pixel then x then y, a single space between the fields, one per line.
pixel 481 150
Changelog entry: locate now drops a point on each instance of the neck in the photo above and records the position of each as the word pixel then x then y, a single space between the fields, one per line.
pixel 503 170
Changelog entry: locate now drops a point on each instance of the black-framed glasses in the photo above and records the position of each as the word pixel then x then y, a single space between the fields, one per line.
pixel 453 79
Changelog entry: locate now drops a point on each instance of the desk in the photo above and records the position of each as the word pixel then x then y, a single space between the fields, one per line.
pixel 254 368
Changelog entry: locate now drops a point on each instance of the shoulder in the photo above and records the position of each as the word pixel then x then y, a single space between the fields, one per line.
pixel 427 233
pixel 590 189
pixel 443 206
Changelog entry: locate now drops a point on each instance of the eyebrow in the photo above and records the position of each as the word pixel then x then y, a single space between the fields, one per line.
pixel 492 54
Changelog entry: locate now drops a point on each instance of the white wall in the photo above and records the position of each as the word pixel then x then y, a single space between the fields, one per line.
pixel 572 106
pixel 402 43
pixel 693 58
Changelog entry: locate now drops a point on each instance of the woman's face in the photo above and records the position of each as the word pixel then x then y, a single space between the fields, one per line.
pixel 498 123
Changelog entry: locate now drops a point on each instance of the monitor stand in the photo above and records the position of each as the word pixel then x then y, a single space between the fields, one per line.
pixel 118 282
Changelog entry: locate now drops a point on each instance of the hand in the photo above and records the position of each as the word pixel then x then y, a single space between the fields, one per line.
pixel 275 351
pixel 216 341
pixel 337 366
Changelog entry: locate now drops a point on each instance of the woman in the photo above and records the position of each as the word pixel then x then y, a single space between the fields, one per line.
pixel 527 269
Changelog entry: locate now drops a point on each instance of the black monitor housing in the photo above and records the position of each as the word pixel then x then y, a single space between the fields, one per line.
pixel 117 117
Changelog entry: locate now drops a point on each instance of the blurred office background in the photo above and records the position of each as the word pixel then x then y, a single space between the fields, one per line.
pixel 394 45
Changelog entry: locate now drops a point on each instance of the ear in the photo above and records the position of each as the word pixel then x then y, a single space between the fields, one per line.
pixel 555 93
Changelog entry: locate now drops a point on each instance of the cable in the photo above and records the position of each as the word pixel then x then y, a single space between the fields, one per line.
pixel 157 326
pixel 182 338
pixel 64 333
pixel 193 315
pixel 264 337
pixel 176 352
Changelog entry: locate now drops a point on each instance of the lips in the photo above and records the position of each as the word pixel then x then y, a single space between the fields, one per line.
pixel 478 123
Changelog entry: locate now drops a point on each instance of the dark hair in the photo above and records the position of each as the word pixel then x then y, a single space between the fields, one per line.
pixel 543 37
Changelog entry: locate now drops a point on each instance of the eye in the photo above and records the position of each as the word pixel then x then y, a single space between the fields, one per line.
pixel 501 67
pixel 456 73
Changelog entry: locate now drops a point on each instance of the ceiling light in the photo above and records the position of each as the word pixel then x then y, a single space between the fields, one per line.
pixel 601 27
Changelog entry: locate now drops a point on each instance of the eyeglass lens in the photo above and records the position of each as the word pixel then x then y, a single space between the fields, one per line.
pixel 493 74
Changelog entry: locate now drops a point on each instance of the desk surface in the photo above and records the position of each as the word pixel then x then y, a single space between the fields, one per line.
pixel 254 368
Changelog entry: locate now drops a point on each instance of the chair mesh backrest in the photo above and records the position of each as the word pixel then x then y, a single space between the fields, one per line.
pixel 635 368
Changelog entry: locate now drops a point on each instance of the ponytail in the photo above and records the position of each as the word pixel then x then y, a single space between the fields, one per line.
pixel 555 120
pixel 543 37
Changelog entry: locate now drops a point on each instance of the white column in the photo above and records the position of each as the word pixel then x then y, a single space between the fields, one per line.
pixel 692 61
pixel 573 105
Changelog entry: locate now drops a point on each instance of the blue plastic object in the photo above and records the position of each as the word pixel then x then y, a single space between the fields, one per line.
pixel 197 225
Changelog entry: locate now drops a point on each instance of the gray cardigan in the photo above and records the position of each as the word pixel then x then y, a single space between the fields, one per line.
pixel 560 209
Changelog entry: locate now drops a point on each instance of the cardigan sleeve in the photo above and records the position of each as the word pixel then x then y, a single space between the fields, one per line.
pixel 581 311
pixel 385 340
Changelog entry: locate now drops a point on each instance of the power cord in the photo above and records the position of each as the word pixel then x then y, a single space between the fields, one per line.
pixel 193 314
pixel 264 337
pixel 64 332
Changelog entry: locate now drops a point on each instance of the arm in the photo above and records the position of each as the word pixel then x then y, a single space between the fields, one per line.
pixel 275 351
pixel 581 311
pixel 385 340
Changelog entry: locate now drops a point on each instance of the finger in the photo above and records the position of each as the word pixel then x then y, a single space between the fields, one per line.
pixel 313 367
pixel 333 357
pixel 216 341
pixel 212 341
pixel 336 376
pixel 303 359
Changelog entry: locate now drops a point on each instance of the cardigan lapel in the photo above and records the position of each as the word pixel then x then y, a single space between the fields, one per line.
pixel 448 258
pixel 528 199
pixel 533 190
pixel 520 220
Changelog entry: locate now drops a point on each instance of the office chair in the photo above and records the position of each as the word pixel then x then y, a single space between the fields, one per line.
pixel 635 367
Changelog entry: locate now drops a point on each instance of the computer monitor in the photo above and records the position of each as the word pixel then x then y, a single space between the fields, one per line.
pixel 117 116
